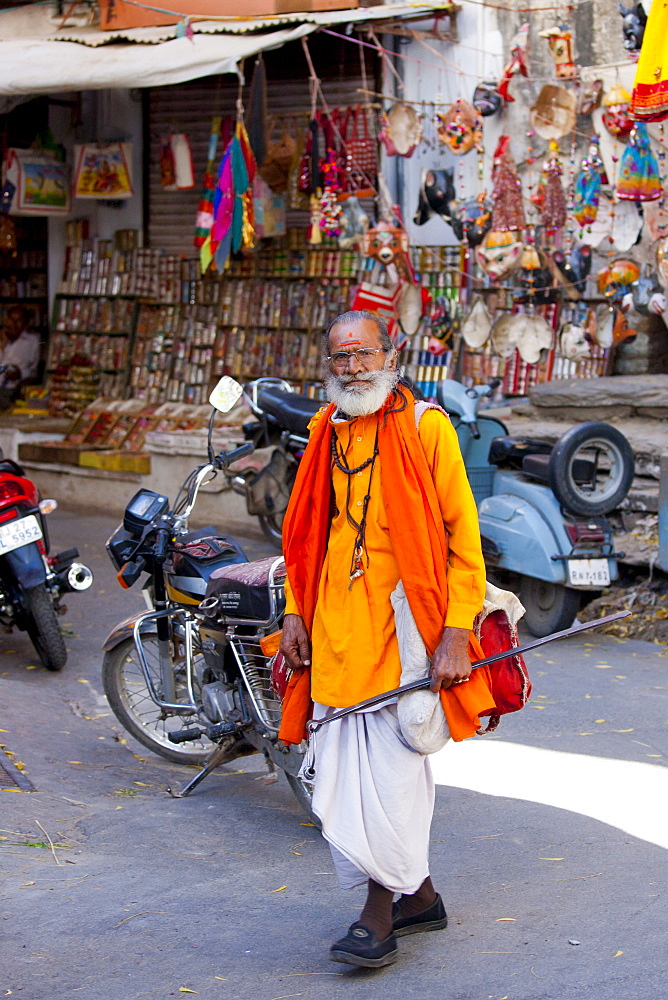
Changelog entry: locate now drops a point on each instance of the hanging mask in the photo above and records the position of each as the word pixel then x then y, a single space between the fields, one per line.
pixel 626 225
pixel 590 98
pixel 486 98
pixel 460 128
pixel 402 130
pixel 561 49
pixel 613 281
pixel 437 195
pixel 638 178
pixel 535 280
pixel 499 253
pixel 647 296
pixel 616 116
pixel 386 243
pixel 554 113
pixel 634 20
pixel 472 220
pixel 605 321
pixel 573 343
pixel 477 325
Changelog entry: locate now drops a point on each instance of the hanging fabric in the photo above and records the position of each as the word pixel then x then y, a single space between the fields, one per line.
pixel 176 162
pixel 204 220
pixel 256 115
pixel 587 192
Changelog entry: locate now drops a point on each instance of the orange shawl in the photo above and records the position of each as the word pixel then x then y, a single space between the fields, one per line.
pixel 420 547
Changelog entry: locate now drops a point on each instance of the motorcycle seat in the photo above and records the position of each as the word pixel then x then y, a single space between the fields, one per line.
pixel 8 465
pixel 290 410
pixel 242 590
pixel 538 467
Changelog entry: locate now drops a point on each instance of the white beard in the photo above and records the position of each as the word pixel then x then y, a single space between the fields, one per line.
pixel 358 401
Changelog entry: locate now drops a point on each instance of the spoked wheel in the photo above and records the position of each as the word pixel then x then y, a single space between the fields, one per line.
pixel 591 469
pixel 549 607
pixel 304 794
pixel 43 628
pixel 128 696
pixel 272 528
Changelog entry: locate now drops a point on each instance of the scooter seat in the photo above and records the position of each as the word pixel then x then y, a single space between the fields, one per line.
pixel 511 451
pixel 290 410
pixel 538 467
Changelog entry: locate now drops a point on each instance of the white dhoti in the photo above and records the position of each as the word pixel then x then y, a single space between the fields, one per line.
pixel 374 796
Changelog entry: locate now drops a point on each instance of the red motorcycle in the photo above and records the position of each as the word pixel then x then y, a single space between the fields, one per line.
pixel 32 582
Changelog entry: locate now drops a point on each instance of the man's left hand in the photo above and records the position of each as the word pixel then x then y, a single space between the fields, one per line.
pixel 451 663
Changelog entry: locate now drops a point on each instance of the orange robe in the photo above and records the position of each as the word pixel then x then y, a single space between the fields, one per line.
pixel 355 650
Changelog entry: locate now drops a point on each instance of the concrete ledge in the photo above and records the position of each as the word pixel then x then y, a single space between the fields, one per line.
pixel 636 391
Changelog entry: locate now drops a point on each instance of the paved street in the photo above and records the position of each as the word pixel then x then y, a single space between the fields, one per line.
pixel 549 843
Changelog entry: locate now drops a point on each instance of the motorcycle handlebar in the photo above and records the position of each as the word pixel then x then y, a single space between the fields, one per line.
pixel 226 459
pixel 161 544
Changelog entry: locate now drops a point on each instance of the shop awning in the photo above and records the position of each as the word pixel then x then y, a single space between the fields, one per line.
pixel 37 56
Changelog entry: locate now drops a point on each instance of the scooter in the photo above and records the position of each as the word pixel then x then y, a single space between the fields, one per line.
pixel 542 507
pixel 32 581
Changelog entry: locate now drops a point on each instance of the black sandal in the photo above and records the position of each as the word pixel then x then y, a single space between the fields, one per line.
pixel 361 947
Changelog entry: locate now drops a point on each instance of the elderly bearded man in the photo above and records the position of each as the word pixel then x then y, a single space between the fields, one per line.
pixel 380 498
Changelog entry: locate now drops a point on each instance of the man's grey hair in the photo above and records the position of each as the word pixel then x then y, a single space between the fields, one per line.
pixel 356 316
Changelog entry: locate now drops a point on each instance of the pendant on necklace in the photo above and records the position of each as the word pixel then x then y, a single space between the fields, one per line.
pixel 357 568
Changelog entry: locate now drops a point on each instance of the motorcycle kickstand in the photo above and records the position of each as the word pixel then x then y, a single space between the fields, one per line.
pixel 215 758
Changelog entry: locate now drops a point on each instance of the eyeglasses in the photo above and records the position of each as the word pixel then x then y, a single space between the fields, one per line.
pixel 365 356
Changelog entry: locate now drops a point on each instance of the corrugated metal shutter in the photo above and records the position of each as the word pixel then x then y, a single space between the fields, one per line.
pixel 190 107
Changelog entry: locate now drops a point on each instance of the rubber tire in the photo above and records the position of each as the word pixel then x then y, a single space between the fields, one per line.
pixel 549 607
pixel 111 666
pixel 560 459
pixel 43 628
pixel 303 796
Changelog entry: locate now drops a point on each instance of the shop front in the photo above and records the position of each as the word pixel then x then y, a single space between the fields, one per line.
pixel 456 172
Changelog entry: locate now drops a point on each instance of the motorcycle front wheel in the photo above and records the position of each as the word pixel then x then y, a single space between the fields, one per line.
pixel 131 703
pixel 43 628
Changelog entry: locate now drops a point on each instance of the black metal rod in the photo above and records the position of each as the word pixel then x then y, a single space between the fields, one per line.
pixel 425 682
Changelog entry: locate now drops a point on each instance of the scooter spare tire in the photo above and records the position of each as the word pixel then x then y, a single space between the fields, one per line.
pixel 591 469
pixel 43 628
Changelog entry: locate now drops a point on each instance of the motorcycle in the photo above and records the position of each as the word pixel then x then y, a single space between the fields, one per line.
pixel 32 582
pixel 282 418
pixel 190 677
pixel 542 507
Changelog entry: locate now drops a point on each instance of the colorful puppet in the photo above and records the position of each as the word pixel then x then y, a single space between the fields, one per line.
pixel 472 220
pixel 560 40
pixel 588 183
pixel 518 61
pixel 553 209
pixel 638 178
pixel 616 116
pixel 401 131
pixel 507 201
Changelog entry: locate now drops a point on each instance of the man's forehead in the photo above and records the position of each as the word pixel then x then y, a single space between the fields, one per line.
pixel 353 334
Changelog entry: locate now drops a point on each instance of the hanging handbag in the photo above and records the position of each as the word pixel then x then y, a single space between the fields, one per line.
pixel 281 154
pixel 361 150
pixel 35 183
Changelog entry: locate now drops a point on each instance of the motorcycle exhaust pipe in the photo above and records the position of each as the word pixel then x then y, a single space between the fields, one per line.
pixel 76 578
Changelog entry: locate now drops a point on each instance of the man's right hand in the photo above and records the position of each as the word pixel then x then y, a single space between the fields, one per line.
pixel 295 643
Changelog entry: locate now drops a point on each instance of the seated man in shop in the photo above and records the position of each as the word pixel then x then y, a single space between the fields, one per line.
pixel 20 355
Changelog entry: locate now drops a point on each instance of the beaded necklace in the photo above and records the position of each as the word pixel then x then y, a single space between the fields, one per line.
pixel 359 547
